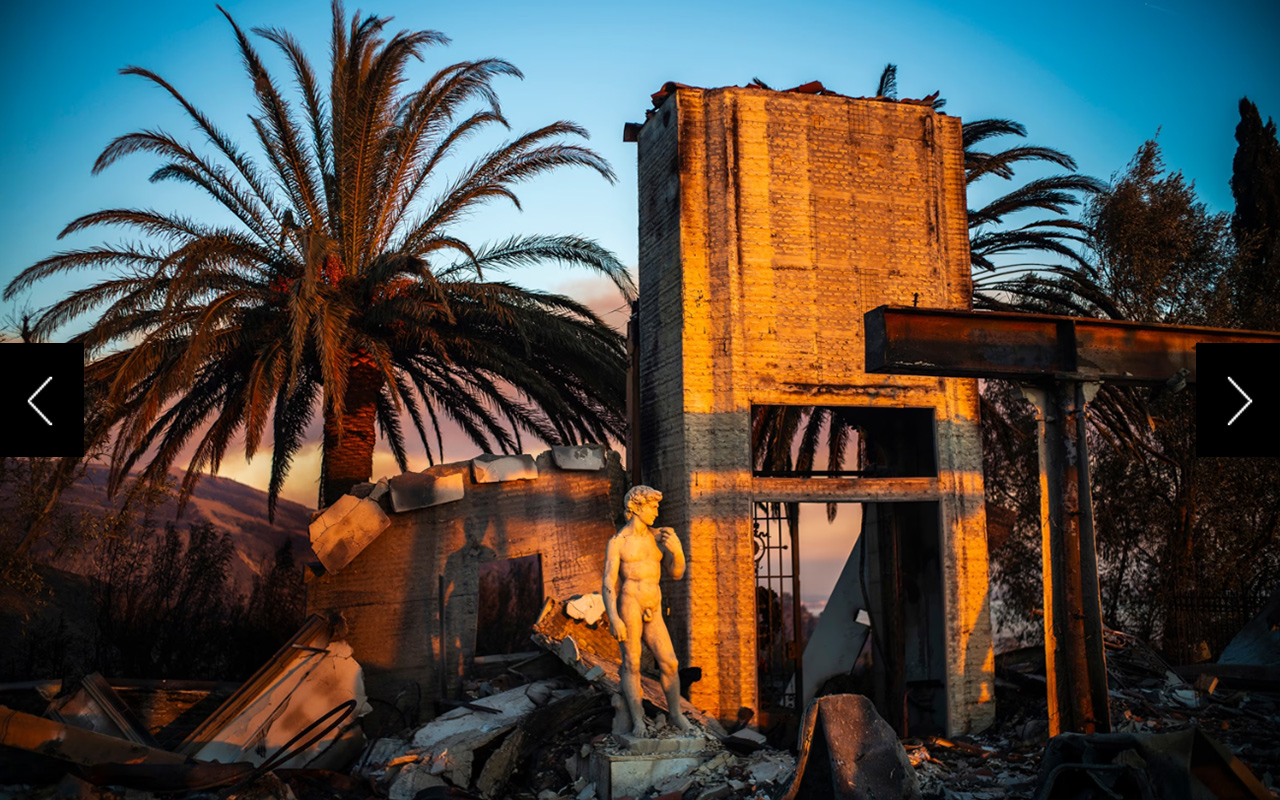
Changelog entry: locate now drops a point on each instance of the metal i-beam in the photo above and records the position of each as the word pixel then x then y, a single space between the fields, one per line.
pixel 1075 656
pixel 1064 359
pixel 1020 347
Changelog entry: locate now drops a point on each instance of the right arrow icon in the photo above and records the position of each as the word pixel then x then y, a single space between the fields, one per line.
pixel 1248 401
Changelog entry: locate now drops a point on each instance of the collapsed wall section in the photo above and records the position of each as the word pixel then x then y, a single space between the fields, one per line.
pixel 390 593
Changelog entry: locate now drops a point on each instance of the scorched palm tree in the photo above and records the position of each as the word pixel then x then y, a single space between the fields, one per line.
pixel 338 281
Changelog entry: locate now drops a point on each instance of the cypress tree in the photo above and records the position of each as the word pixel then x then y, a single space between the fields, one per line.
pixel 1255 185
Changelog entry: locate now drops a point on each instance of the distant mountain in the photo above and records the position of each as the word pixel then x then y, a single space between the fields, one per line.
pixel 232 507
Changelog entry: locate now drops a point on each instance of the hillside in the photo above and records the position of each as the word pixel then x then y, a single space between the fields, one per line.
pixel 237 509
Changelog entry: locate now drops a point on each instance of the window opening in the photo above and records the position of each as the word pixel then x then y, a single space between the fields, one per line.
pixel 510 599
pixel 842 442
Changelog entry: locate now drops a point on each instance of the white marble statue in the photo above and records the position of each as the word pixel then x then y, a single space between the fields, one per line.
pixel 633 601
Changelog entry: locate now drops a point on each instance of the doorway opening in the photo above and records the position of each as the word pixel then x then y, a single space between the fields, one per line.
pixel 869 616
pixel 510 599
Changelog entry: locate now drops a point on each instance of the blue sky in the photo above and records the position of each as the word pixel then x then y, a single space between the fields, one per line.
pixel 1092 78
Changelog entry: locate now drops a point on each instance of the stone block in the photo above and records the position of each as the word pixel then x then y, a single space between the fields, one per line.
pixel 638 746
pixel 342 538
pixel 848 751
pixel 414 490
pixel 413 778
pixel 588 457
pixel 586 607
pixel 500 469
pixel 618 776
pixel 331 515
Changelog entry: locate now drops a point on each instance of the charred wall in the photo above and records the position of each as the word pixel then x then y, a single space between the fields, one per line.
pixel 769 223
pixel 389 592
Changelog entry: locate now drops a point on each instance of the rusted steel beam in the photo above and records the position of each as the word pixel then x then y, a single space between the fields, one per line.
pixel 1075 659
pixel 985 344
pixel 849 490
pixel 87 748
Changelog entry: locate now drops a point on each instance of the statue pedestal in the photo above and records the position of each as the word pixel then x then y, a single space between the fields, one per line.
pixel 632 766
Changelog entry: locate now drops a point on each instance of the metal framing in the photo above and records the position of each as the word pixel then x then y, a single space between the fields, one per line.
pixel 1061 361
pixel 990 344
pixel 777 557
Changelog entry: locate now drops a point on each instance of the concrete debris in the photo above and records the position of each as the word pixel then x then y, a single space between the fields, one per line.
pixel 1242 713
pixel 549 740
pixel 95 706
pixel 414 490
pixel 311 676
pixel 671 763
pixel 344 529
pixel 597 656
pixel 361 490
pixel 848 751
pixel 501 469
pixel 770 767
pixel 332 515
pixel 588 608
pixel 750 735
pixel 58 740
pixel 445 746
pixel 412 778
pixel 1187 696
pixel 1137 766
pixel 589 457
pixel 567 650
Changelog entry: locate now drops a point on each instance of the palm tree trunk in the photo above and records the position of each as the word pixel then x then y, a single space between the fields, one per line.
pixel 348 459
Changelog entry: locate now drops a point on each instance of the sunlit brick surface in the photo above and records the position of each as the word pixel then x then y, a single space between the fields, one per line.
pixel 769 223
pixel 389 594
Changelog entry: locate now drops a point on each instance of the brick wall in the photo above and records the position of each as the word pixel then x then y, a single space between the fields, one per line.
pixel 389 593
pixel 769 223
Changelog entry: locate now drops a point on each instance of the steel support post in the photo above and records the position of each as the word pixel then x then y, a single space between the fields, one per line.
pixel 1074 656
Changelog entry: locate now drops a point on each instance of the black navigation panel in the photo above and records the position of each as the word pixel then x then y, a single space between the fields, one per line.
pixel 1237 400
pixel 42 400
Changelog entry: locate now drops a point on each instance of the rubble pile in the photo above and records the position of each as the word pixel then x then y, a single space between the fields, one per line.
pixel 989 766
pixel 1148 697
pixel 480 752
pixel 544 727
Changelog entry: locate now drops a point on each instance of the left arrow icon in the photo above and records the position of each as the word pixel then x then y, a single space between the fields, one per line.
pixel 31 401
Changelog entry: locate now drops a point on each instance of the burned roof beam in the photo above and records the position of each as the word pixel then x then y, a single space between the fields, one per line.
pixel 987 344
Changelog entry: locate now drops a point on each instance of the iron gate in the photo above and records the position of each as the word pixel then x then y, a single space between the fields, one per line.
pixel 778 631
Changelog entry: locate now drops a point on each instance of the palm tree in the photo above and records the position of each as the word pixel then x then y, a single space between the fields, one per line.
pixel 339 283
pixel 989 241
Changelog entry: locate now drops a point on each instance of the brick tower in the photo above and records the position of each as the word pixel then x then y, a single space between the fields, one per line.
pixel 769 223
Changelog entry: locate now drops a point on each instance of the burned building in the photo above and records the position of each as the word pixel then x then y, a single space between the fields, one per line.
pixel 769 223
pixel 469 549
